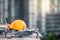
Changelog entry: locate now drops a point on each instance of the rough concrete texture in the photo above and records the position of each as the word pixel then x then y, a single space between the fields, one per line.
pixel 2 37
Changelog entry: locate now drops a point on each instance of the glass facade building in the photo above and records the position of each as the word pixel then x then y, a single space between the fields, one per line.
pixel 47 7
pixel 33 13
pixel 3 11
pixel 14 9
pixel 53 17
pixel 53 23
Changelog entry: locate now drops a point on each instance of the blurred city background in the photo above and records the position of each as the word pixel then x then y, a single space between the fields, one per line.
pixel 41 14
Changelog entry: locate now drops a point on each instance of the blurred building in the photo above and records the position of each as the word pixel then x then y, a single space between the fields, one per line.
pixel 14 9
pixel 53 23
pixel 19 9
pixel 52 18
pixel 39 20
pixel 2 12
pixel 48 7
pixel 33 13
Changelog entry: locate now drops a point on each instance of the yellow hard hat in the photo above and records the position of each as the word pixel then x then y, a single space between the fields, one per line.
pixel 18 25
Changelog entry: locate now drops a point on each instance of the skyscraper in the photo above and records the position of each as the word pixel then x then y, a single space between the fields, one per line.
pixel 48 7
pixel 14 9
pixel 33 13
pixel 53 23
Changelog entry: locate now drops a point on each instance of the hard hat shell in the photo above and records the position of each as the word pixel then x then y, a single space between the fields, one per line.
pixel 18 25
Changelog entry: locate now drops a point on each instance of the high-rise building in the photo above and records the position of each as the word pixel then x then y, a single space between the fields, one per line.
pixel 20 10
pixel 53 23
pixel 52 18
pixel 33 13
pixel 3 11
pixel 14 9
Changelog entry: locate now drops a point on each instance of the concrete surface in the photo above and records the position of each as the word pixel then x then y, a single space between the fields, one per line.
pixel 2 37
